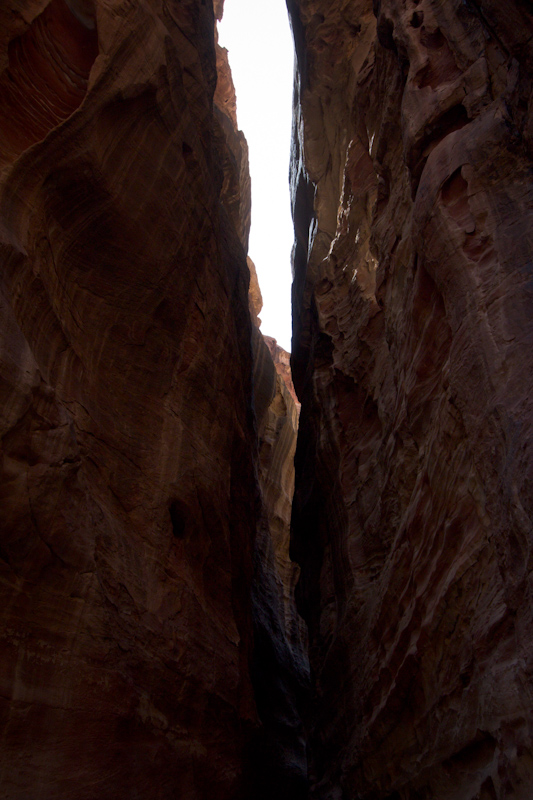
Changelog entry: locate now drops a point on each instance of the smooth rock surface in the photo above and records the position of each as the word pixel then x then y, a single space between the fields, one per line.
pixel 412 520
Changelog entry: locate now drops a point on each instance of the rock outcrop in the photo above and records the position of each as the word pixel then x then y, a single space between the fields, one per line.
pixel 150 644
pixel 412 358
pixel 129 486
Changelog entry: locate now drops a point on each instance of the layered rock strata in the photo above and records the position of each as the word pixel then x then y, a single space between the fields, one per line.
pixel 129 489
pixel 412 197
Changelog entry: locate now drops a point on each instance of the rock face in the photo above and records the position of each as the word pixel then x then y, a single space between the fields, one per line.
pixel 129 490
pixel 413 200
pixel 46 70
pixel 149 639
pixel 280 667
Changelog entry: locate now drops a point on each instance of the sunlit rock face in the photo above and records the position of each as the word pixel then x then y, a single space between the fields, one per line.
pixel 128 481
pixel 412 195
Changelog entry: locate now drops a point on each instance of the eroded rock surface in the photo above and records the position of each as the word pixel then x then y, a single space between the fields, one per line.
pixel 412 358
pixel 128 492
pixel 280 665
pixel 149 638
pixel 46 74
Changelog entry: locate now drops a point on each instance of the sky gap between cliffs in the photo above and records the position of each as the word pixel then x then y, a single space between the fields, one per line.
pixel 261 55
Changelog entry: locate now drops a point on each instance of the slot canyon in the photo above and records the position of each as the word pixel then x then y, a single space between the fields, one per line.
pixel 216 584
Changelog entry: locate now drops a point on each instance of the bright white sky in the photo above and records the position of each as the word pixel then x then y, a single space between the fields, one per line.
pixel 259 42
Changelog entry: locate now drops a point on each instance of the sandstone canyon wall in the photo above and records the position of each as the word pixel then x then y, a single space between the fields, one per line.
pixel 150 646
pixel 132 514
pixel 280 667
pixel 412 357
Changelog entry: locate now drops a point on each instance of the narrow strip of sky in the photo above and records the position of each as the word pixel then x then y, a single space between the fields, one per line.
pixel 259 43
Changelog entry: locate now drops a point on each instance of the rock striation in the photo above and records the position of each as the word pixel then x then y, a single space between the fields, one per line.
pixel 280 665
pixel 151 647
pixel 412 358
pixel 46 71
pixel 131 514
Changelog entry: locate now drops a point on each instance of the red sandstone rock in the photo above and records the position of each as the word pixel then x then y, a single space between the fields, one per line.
pixel 280 665
pixel 282 362
pixel 46 75
pixel 255 298
pixel 278 427
pixel 236 189
pixel 149 640
pixel 127 512
pixel 413 363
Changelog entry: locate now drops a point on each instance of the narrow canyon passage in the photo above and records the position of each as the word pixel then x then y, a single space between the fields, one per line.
pixel 170 627
pixel 263 88
pixel 279 667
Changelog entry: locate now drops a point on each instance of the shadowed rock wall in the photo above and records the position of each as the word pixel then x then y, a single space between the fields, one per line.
pixel 412 198
pixel 280 666
pixel 129 481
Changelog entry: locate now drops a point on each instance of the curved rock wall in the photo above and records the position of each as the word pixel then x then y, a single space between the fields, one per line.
pixel 128 490
pixel 412 197
pixel 150 645
pixel 45 78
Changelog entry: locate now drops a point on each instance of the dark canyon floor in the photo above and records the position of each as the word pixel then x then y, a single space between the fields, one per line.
pixel 207 589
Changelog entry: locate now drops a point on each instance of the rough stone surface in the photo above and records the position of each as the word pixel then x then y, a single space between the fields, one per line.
pixel 150 645
pixel 255 298
pixel 282 362
pixel 236 188
pixel 413 200
pixel 278 428
pixel 46 66
pixel 128 490
pixel 280 666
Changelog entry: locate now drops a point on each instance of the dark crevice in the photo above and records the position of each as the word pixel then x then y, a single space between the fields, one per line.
pixel 452 120
pixel 178 517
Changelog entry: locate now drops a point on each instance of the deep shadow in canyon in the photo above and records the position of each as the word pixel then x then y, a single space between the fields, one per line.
pixel 167 631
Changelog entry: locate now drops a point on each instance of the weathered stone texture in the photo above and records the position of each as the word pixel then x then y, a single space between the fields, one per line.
pixel 412 359
pixel 236 189
pixel 280 664
pixel 128 489
pixel 278 428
